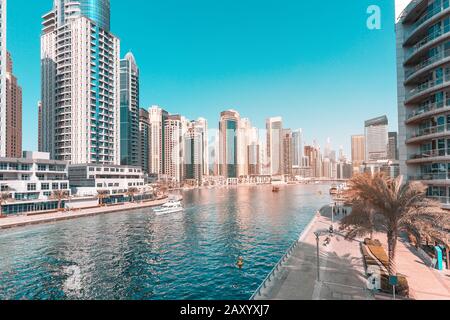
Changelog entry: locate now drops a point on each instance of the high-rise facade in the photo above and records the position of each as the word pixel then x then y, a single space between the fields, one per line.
pixel 288 152
pixel 157 118
pixel 193 155
pixel 376 133
pixel 297 148
pixel 358 151
pixel 173 157
pixel 274 127
pixel 393 146
pixel 13 113
pixel 423 51
pixel 129 111
pixel 229 144
pixel 3 64
pixel 201 127
pixel 314 160
pixel 80 65
pixel 144 140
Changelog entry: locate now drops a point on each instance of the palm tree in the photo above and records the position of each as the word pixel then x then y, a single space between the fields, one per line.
pixel 132 192
pixel 5 196
pixel 102 194
pixel 397 207
pixel 60 195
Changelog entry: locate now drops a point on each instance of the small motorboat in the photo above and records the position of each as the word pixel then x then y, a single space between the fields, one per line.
pixel 171 206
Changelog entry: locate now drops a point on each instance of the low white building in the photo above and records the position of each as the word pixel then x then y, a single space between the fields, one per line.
pixel 87 179
pixel 31 181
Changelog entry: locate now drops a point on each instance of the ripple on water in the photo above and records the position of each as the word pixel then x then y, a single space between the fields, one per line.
pixel 138 255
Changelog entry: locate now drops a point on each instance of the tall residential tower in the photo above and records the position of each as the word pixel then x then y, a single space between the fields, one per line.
pixel 423 65
pixel 80 65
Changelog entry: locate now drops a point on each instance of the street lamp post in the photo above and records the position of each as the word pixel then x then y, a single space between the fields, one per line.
pixel 317 234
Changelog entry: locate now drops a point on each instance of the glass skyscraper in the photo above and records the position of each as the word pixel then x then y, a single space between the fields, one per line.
pixel 97 11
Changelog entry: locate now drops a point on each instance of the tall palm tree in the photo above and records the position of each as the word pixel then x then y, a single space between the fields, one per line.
pixel 5 196
pixel 60 195
pixel 397 207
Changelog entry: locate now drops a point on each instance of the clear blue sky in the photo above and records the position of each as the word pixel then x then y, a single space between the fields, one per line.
pixel 314 63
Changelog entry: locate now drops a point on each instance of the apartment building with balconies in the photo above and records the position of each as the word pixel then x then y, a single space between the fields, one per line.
pixel 423 65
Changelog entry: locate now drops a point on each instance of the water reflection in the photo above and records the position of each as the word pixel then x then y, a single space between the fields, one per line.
pixel 138 255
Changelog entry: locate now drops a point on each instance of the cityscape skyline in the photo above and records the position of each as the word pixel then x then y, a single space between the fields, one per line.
pixel 185 83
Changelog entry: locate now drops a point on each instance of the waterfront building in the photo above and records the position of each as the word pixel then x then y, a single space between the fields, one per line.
pixel 244 140
pixel 288 153
pixel 30 181
pixel 157 118
pixel 315 160
pixel 193 158
pixel 3 66
pixel 376 136
pixel 327 171
pixel 173 158
pixel 423 49
pixel 344 171
pixel 129 111
pixel 201 126
pixel 86 180
pixel 358 151
pixel 144 140
pixel 229 144
pixel 389 168
pixel 40 133
pixel 80 67
pixel 393 146
pixel 274 127
pixel 13 92
pixel 297 148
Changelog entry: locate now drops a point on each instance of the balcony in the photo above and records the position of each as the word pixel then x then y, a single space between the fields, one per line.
pixel 443 177
pixel 429 156
pixel 425 63
pixel 425 42
pixel 431 131
pixel 427 87
pixel 427 111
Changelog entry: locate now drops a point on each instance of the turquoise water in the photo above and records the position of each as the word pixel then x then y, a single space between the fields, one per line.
pixel 138 255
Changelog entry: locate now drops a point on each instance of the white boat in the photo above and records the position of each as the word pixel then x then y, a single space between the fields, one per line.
pixel 171 206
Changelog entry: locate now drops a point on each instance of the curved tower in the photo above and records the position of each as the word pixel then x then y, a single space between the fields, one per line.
pixel 98 11
pixel 423 58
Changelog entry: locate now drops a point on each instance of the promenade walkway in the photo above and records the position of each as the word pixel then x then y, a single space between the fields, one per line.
pixel 23 220
pixel 425 283
pixel 341 269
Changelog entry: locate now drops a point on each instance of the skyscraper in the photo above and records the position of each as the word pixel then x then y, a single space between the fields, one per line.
pixel 201 127
pixel 358 151
pixel 228 143
pixel 393 146
pixel 80 67
pixel 129 111
pixel 172 148
pixel 274 127
pixel 40 131
pixel 157 118
pixel 193 155
pixel 376 133
pixel 3 64
pixel 13 113
pixel 297 148
pixel 288 152
pixel 314 159
pixel 144 140
pixel 423 87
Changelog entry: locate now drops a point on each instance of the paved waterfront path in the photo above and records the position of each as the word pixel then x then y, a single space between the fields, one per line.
pixel 17 221
pixel 425 283
pixel 341 268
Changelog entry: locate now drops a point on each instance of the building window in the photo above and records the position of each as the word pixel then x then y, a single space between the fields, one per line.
pixel 63 186
pixel 55 186
pixel 45 186
pixel 31 187
pixel 42 167
pixel 26 177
